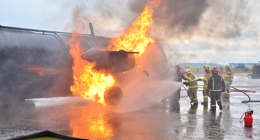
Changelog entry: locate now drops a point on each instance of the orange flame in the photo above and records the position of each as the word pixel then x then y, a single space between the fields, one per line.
pixel 92 84
pixel 88 83
pixel 136 38
pixel 97 128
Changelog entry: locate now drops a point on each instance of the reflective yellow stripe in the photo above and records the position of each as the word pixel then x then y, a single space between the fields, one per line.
pixel 213 105
pixel 193 87
pixel 205 86
pixel 213 88
pixel 192 80
pixel 205 96
pixel 218 100
pixel 216 90
pixel 227 93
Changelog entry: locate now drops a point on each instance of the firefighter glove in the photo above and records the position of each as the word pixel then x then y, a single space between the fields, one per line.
pixel 185 83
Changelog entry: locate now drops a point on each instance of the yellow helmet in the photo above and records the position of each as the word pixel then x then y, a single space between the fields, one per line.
pixel 187 71
pixel 227 67
pixel 206 67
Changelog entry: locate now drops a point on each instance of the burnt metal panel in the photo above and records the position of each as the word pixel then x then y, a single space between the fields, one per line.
pixel 36 63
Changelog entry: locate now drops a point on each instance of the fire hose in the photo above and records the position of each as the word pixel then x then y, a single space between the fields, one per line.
pixel 249 99
pixel 184 87
pixel 186 90
pixel 248 119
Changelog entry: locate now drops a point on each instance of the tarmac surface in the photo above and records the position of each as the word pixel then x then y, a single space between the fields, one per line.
pixel 84 119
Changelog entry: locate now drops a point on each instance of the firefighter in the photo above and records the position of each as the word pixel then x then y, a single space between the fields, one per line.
pixel 228 78
pixel 216 85
pixel 179 75
pixel 178 78
pixel 205 86
pixel 191 81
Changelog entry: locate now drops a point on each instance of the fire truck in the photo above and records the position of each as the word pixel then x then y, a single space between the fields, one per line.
pixel 255 72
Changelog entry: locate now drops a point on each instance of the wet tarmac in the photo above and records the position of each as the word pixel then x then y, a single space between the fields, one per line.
pixel 84 119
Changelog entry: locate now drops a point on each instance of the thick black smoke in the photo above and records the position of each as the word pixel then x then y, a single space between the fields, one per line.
pixel 180 18
pixel 174 15
pixel 173 19
pixel 137 6
pixel 180 14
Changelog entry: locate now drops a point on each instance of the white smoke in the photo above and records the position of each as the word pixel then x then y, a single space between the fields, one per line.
pixel 140 90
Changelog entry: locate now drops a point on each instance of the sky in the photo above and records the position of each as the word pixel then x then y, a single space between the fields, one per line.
pixel 204 31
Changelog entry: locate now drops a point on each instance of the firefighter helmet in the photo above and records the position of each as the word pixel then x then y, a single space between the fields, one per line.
pixel 206 67
pixel 214 70
pixel 187 71
pixel 227 67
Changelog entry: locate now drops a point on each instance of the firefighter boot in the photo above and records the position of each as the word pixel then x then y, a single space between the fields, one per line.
pixel 219 104
pixel 195 100
pixel 220 107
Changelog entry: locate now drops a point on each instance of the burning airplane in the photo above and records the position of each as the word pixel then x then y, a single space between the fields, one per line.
pixel 90 70
pixel 40 63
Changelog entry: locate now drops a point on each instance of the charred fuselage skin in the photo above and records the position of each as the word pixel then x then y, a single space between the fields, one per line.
pixel 36 63
pixel 111 61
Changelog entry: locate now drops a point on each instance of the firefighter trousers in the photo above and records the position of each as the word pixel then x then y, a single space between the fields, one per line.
pixel 192 93
pixel 205 95
pixel 227 91
pixel 215 97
